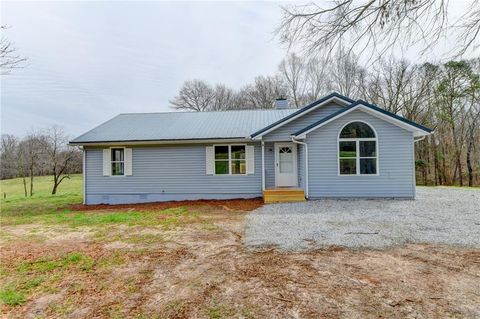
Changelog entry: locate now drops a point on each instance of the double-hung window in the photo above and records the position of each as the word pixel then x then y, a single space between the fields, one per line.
pixel 118 161
pixel 357 149
pixel 230 160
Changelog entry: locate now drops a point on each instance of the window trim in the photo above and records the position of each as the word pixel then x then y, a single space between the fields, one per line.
pixel 229 160
pixel 124 161
pixel 357 149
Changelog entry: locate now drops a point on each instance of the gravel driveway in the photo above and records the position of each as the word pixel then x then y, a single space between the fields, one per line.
pixel 438 215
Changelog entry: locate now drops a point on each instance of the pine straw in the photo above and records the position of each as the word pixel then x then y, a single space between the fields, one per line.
pixel 231 204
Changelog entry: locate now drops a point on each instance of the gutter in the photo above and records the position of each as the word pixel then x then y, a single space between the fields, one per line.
pixel 161 142
pixel 84 174
pixel 306 163
pixel 419 139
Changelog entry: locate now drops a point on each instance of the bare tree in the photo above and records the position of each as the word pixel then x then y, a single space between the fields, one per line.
pixel 194 95
pixel 9 59
pixel 224 98
pixel 29 157
pixel 318 79
pixel 381 25
pixel 8 156
pixel 39 154
pixel 22 164
pixel 398 86
pixel 345 73
pixel 473 119
pixel 473 136
pixel 452 91
pixel 293 69
pixel 308 79
pixel 58 155
pixel 263 92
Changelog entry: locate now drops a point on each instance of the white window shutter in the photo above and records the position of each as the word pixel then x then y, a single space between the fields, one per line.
pixel 209 160
pixel 128 161
pixel 250 150
pixel 107 168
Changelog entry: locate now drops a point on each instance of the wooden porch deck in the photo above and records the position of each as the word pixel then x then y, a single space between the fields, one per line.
pixel 283 195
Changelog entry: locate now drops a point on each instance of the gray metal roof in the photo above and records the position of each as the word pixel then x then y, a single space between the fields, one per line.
pixel 182 126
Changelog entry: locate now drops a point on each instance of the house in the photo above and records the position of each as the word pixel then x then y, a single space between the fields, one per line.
pixel 333 147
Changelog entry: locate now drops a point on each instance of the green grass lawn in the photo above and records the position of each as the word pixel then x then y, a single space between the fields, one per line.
pixel 42 186
pixel 14 204
pixel 43 207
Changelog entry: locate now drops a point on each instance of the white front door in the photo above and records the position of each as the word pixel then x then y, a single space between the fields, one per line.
pixel 285 164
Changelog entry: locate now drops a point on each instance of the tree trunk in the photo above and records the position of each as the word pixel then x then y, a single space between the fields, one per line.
pixel 458 162
pixel 55 184
pixel 469 162
pixel 460 169
pixel 31 177
pixel 425 176
pixel 446 178
pixel 435 161
pixel 57 180
pixel 24 184
pixel 54 190
pixel 31 184
pixel 455 172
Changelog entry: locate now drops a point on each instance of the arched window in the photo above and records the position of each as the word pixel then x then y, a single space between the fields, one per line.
pixel 357 149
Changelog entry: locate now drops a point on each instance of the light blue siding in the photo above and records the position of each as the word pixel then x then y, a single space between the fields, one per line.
pixel 283 133
pixel 395 149
pixel 269 165
pixel 301 165
pixel 178 172
pixel 167 172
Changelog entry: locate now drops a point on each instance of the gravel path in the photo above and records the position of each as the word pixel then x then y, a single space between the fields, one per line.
pixel 438 215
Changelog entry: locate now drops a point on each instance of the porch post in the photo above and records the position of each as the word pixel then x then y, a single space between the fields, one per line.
pixel 263 165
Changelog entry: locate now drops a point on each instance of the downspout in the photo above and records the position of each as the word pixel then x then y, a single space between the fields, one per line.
pixel 263 165
pixel 84 173
pixel 306 163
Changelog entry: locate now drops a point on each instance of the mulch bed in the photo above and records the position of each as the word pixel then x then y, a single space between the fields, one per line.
pixel 231 204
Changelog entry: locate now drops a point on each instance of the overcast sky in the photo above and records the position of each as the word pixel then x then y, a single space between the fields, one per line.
pixel 88 61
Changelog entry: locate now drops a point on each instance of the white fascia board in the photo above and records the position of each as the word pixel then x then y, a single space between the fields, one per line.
pixel 416 131
pixel 162 142
pixel 332 99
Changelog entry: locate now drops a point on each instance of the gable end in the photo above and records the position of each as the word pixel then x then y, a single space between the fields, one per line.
pixel 333 96
pixel 374 110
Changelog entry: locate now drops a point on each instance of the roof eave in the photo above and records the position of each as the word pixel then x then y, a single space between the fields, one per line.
pixel 158 142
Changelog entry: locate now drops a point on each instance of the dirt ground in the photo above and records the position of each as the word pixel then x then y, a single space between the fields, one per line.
pixel 202 269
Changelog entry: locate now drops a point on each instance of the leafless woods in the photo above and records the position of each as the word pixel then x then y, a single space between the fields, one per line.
pixel 39 153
